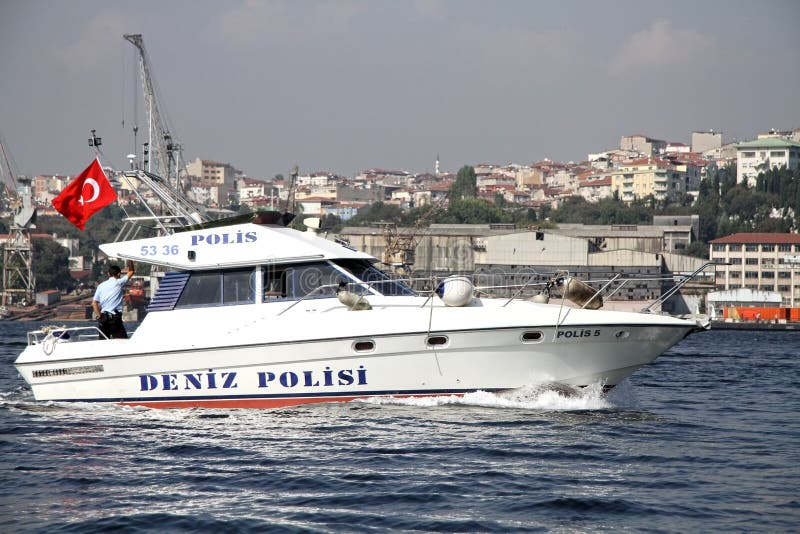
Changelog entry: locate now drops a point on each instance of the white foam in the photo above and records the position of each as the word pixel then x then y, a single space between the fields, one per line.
pixel 533 397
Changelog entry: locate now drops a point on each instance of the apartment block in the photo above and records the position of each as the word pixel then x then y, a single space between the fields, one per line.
pixel 703 141
pixel 212 171
pixel 642 144
pixel 759 261
pixel 648 176
pixel 755 157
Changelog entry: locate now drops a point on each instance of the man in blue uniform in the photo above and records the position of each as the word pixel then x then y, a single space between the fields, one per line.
pixel 107 302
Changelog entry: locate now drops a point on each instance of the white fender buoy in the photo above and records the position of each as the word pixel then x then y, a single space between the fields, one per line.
pixel 455 291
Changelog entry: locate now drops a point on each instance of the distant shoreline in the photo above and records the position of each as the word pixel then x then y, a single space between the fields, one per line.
pixel 722 325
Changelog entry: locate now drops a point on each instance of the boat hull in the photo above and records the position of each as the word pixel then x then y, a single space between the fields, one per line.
pixel 269 375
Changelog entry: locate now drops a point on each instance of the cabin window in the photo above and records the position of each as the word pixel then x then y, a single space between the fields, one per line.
pixel 237 287
pixel 274 283
pixel 218 288
pixel 203 288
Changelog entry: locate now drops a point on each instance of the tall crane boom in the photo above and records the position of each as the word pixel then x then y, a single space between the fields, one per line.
pixel 19 281
pixel 161 149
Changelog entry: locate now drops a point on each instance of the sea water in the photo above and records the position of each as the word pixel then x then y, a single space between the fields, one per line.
pixel 705 439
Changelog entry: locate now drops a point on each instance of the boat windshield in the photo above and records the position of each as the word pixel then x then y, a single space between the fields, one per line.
pixel 379 280
pixel 321 280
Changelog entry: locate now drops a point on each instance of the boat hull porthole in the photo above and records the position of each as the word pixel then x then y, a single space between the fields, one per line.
pixel 622 334
pixel 534 336
pixel 363 345
pixel 437 341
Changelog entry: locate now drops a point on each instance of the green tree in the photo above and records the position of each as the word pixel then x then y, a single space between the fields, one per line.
pixel 697 249
pixel 465 184
pixel 50 265
pixel 576 209
pixel 708 207
pixel 377 212
pixel 727 179
pixel 473 211
pixel 331 223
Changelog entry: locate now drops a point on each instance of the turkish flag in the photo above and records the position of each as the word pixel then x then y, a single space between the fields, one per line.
pixel 87 194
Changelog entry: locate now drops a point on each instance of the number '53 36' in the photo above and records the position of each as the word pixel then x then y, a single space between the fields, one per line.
pixel 163 250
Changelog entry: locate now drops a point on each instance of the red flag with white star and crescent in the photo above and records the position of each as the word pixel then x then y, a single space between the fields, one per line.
pixel 87 194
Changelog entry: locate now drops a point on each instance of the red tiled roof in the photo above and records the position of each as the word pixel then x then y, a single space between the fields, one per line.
pixel 596 182
pixel 646 161
pixel 770 239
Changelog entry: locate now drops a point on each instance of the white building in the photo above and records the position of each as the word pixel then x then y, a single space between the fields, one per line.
pixel 703 141
pixel 759 261
pixel 755 157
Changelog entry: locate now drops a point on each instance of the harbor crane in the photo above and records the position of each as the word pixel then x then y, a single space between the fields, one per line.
pixel 162 164
pixel 400 245
pixel 19 282
pixel 162 154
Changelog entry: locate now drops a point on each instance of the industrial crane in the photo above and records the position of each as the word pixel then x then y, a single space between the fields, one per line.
pixel 400 246
pixel 162 165
pixel 19 282
pixel 162 154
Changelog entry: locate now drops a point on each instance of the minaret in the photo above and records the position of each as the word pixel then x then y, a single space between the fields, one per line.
pixel 436 167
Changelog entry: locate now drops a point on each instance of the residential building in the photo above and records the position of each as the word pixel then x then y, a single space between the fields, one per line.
pixel 595 186
pixel 315 206
pixel 209 194
pixel 677 148
pixel 644 145
pixel 211 171
pixel 348 193
pixel 344 210
pixel 755 157
pixel 703 141
pixel 759 261
pixel 648 176
pixel 250 188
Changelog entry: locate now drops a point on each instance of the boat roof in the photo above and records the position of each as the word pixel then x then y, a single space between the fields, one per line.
pixel 231 246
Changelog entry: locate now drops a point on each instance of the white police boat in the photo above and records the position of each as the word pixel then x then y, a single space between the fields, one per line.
pixel 260 316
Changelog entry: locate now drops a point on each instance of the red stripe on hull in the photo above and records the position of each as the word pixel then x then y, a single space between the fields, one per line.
pixel 267 403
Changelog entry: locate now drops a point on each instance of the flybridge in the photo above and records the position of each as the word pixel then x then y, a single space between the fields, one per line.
pixel 230 246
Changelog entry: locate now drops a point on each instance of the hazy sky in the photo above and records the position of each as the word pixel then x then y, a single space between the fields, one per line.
pixel 350 85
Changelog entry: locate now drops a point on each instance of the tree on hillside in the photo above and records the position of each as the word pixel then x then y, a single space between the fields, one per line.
pixel 576 209
pixel 465 184
pixel 50 265
pixel 727 178
pixel 377 212
pixel 785 185
pixel 473 211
